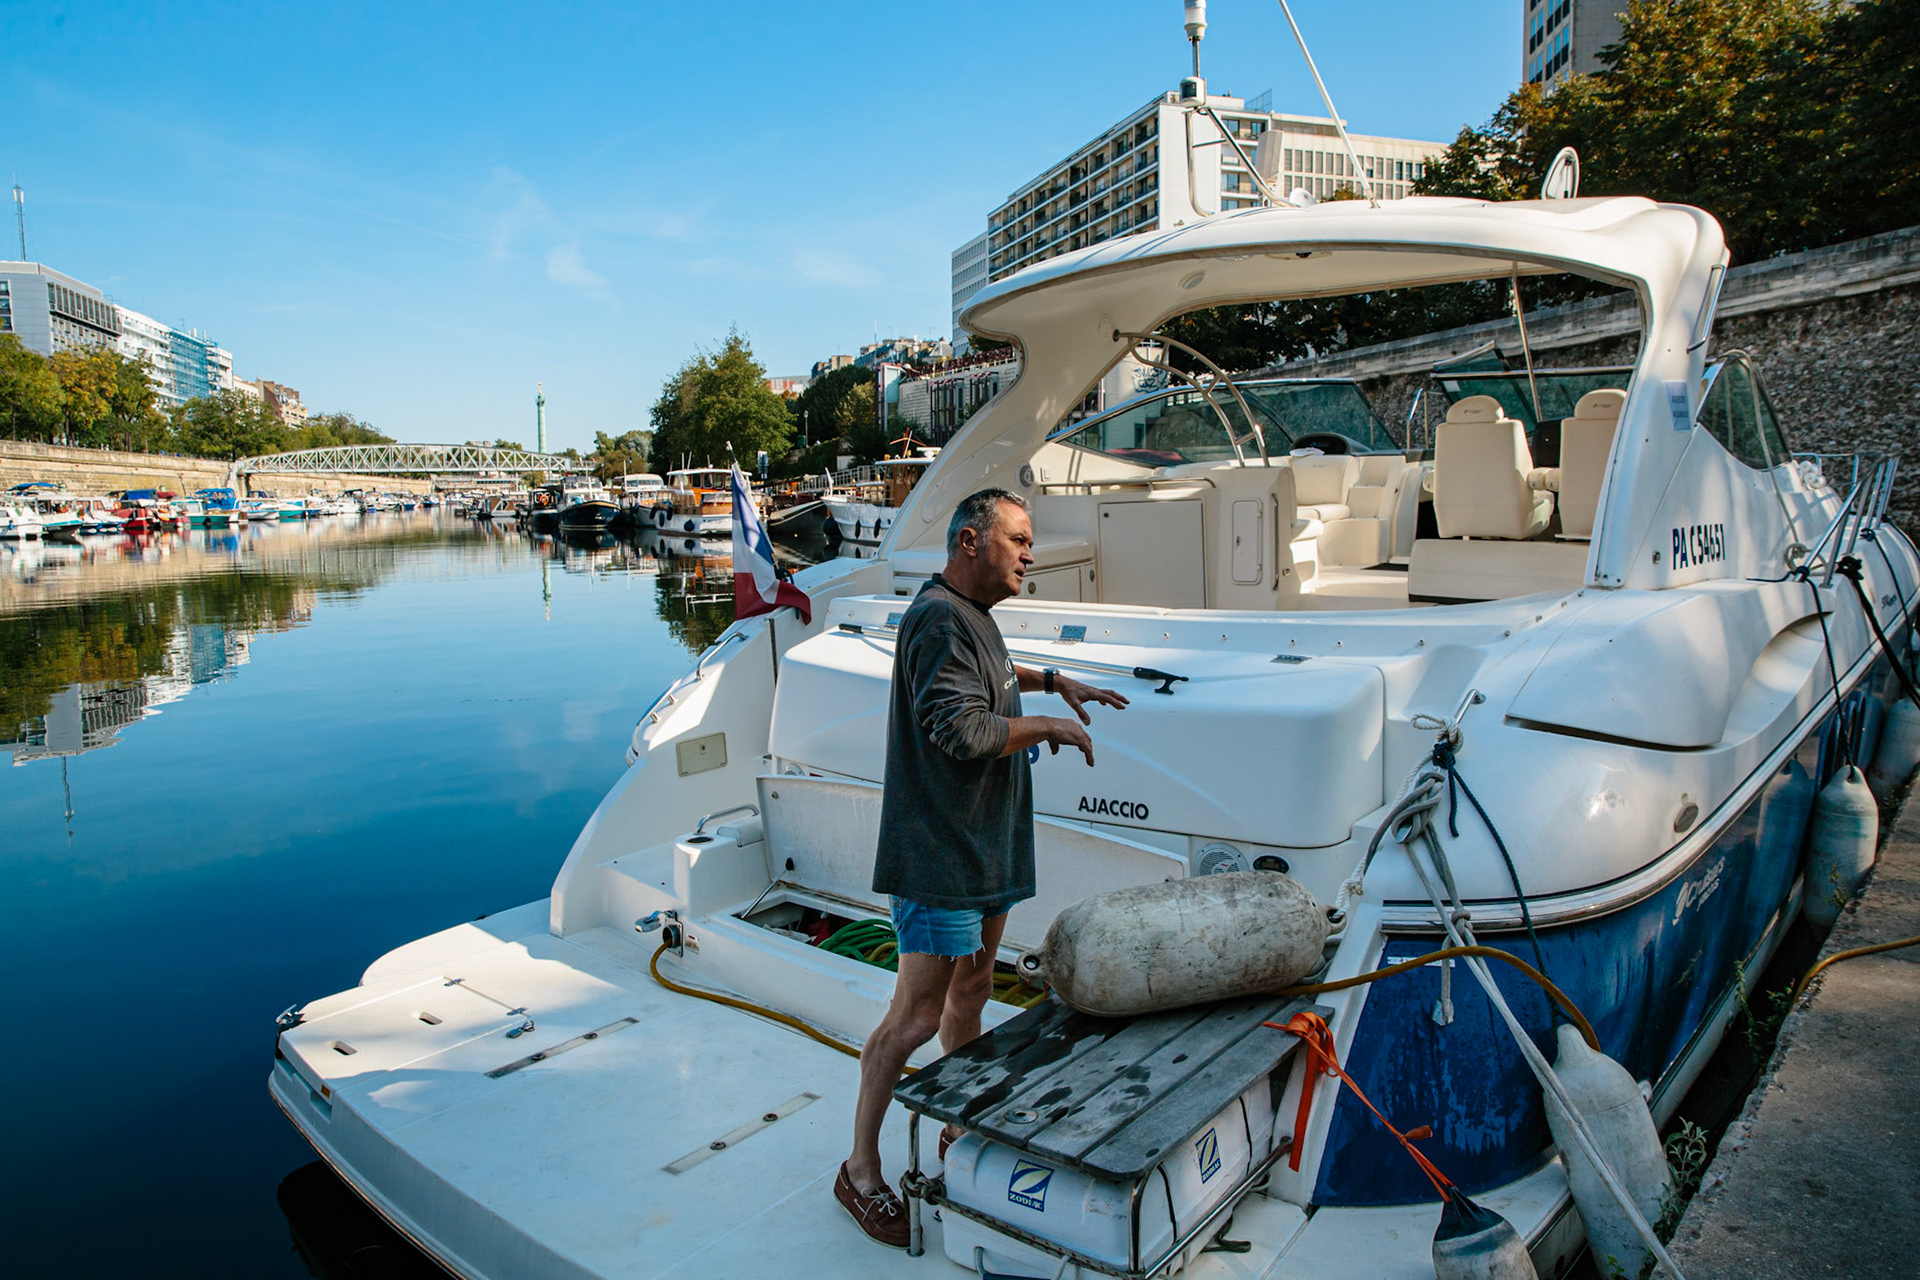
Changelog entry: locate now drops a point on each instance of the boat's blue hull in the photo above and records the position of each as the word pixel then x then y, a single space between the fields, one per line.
pixel 1649 976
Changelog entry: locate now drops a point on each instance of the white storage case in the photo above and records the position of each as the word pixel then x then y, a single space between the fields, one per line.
pixel 1093 1217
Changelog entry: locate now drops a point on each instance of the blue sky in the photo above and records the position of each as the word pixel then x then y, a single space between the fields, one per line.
pixel 415 213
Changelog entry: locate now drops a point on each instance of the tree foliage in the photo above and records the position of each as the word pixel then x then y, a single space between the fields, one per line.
pixel 1791 121
pixel 624 454
pixel 719 402
pixel 820 413
pixel 97 398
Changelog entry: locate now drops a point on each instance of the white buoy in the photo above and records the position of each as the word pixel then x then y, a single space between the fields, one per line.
pixel 1899 750
pixel 1607 1097
pixel 1475 1243
pixel 1841 838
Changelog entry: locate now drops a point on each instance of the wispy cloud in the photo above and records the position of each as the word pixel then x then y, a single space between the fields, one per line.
pixel 820 266
pixel 524 211
pixel 565 265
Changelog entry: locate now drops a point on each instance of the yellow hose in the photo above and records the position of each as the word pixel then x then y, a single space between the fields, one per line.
pixel 748 1006
pixel 1558 996
pixel 1554 993
pixel 1800 987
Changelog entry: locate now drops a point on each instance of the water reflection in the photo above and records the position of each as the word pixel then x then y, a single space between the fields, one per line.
pixel 98 635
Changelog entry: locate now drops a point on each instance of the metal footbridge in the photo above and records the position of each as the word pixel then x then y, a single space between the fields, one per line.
pixel 399 459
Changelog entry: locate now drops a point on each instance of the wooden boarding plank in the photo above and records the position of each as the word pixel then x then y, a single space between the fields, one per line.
pixel 1049 1098
pixel 982 1073
pixel 1178 1115
pixel 1142 1086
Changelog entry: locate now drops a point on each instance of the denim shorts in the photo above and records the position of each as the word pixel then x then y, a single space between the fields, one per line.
pixel 938 931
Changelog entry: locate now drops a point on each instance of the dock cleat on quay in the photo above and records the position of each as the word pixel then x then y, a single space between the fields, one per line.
pixel 1535 708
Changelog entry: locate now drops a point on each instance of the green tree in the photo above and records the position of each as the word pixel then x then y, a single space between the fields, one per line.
pixel 90 379
pixel 31 399
pixel 324 430
pixel 817 412
pixel 1791 121
pixel 134 419
pixel 716 402
pixel 624 454
pixel 860 426
pixel 226 424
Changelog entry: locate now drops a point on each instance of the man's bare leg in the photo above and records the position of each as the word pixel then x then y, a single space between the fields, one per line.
pixel 913 1018
pixel 968 993
pixel 971 987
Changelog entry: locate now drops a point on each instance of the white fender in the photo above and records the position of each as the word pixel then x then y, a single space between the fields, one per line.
pixel 1180 942
pixel 1605 1094
pixel 1841 840
pixel 1899 749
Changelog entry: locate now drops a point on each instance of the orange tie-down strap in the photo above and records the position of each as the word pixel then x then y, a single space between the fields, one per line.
pixel 1314 1033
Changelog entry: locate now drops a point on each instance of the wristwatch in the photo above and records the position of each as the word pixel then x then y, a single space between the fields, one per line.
pixel 1046 678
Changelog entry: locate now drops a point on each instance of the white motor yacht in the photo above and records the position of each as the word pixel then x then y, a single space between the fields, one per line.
pixel 19 521
pixel 1643 654
pixel 864 513
pixel 697 501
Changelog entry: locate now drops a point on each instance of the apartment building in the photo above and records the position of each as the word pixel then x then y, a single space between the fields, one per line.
pixel 1167 164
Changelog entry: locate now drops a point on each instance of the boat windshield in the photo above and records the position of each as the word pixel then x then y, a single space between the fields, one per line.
pixel 1559 389
pixel 1181 425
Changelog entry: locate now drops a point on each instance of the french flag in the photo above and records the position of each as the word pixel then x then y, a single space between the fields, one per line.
pixel 757 585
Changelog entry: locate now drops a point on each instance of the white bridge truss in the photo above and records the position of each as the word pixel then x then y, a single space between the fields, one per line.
pixel 402 459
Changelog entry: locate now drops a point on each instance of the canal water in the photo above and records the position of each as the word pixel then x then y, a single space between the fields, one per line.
pixel 245 764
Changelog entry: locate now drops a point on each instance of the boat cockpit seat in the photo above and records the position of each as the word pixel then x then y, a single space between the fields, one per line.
pixel 1481 468
pixel 1365 537
pixel 1321 482
pixel 1586 440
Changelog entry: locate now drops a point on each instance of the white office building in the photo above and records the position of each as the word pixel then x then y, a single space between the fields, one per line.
pixel 53 312
pixel 969 275
pixel 1561 39
pixel 1168 164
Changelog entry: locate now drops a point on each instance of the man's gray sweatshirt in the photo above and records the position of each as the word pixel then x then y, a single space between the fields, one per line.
pixel 956 822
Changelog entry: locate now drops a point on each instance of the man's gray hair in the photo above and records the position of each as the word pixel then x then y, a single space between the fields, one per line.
pixel 980 512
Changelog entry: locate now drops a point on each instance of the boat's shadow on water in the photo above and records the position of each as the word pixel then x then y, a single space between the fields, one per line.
pixel 338 1237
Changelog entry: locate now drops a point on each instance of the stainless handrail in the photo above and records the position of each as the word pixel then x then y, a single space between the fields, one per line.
pixel 700 827
pixel 1870 488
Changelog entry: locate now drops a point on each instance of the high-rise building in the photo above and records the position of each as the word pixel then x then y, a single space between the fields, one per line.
pixel 1168 164
pixel 1560 39
pixel 969 274
pixel 54 312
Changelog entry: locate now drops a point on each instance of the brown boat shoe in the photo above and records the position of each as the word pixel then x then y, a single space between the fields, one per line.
pixel 879 1213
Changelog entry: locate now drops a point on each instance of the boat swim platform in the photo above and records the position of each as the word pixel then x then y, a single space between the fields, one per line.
pixel 1820 1175
pixel 556 1153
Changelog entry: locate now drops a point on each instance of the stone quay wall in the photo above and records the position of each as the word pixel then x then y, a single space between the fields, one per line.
pixel 110 470
pixel 1835 333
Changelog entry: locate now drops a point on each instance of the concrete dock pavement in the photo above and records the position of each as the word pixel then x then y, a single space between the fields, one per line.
pixel 1820 1175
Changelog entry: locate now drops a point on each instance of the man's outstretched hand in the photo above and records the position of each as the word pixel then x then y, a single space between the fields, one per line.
pixel 1077 693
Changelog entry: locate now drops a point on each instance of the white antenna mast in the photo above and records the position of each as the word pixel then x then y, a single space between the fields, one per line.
pixel 1359 170
pixel 20 214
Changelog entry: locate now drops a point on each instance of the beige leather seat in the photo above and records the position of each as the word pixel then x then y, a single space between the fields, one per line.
pixel 1321 482
pixel 1586 439
pixel 1480 467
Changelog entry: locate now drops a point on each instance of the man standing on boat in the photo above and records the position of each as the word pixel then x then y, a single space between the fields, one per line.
pixel 956 821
